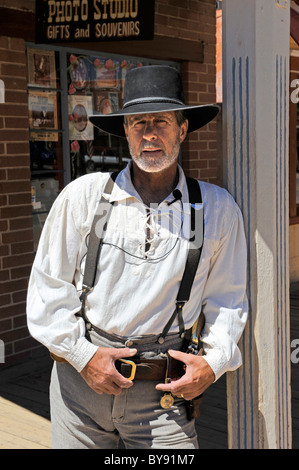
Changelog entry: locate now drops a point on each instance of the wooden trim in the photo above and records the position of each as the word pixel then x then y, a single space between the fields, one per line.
pixel 294 220
pixel 17 24
pixel 21 24
pixel 160 48
pixel 294 63
pixel 293 150
pixel 294 208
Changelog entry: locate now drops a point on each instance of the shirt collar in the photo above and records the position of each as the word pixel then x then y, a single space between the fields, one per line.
pixel 124 188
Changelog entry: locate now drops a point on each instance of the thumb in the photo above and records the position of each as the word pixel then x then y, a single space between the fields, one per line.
pixel 179 355
pixel 124 352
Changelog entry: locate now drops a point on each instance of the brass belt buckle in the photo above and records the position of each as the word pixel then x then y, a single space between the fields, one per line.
pixel 133 366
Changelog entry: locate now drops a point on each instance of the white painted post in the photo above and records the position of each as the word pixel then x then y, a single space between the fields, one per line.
pixel 255 119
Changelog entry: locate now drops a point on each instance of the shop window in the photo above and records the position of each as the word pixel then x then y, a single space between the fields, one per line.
pixel 95 84
pixel 64 87
pixel 294 141
pixel 45 132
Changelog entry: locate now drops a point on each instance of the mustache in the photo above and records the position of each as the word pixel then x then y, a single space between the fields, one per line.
pixel 149 146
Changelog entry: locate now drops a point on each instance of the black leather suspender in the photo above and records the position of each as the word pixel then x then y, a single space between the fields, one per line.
pixel 94 247
pixel 192 261
pixel 95 243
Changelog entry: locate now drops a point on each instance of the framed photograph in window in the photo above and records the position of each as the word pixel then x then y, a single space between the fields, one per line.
pixel 41 68
pixel 42 107
pixel 105 101
pixel 79 107
pixel 106 73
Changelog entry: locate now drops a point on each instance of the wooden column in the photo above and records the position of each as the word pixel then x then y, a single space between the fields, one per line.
pixel 255 118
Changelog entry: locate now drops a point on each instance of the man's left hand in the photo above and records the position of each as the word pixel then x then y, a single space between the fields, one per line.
pixel 197 378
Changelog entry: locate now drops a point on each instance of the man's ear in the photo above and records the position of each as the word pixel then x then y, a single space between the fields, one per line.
pixel 125 128
pixel 184 130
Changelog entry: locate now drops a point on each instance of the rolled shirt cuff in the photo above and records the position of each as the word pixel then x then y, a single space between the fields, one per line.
pixel 81 354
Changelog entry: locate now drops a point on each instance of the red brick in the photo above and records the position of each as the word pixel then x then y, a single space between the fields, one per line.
pixel 12 286
pixel 20 273
pixel 5 325
pixel 24 222
pixel 19 321
pixel 4 275
pixel 19 199
pixel 18 97
pixel 17 260
pixel 18 211
pixel 16 123
pixel 18 174
pixel 13 70
pixel 15 334
pixel 12 310
pixel 25 344
pixel 23 247
pixel 10 109
pixel 19 296
pixel 5 299
pixel 12 57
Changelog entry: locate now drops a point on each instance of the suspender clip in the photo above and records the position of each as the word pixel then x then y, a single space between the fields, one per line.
pixel 179 311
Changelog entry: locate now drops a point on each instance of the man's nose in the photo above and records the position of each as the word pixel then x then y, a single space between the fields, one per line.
pixel 150 132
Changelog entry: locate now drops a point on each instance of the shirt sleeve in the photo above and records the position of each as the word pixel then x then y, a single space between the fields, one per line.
pixel 52 299
pixel 225 303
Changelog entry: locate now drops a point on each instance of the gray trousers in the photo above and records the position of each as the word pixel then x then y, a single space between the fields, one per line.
pixel 83 419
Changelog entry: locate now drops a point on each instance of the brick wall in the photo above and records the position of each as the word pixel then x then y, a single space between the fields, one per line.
pixel 16 246
pixel 195 20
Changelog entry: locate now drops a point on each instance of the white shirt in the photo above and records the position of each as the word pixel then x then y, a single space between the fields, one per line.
pixel 135 290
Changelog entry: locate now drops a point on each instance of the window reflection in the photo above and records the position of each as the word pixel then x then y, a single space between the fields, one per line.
pixel 95 84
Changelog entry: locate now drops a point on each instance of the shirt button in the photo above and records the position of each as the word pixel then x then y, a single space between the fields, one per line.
pixel 129 343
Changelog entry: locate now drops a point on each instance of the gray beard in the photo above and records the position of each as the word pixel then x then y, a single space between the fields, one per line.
pixel 146 163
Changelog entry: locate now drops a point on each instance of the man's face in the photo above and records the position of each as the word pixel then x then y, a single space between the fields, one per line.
pixel 154 139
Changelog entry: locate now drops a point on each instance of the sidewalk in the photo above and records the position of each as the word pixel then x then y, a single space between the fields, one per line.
pixel 24 405
pixel 25 415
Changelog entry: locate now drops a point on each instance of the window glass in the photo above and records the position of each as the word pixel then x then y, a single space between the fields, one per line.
pixel 45 134
pixel 95 84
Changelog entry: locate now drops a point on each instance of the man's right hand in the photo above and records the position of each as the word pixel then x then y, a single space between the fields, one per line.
pixel 100 372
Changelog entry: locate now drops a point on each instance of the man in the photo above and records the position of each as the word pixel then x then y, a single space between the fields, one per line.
pixel 94 398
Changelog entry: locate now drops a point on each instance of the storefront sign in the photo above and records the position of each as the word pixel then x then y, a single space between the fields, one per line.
pixel 93 20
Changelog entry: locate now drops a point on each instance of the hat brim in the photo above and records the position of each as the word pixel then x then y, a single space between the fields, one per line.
pixel 198 116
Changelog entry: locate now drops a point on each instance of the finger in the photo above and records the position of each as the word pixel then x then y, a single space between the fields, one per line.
pixel 119 353
pixel 179 355
pixel 175 386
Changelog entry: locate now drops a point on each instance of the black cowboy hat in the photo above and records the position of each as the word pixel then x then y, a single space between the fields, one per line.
pixel 154 89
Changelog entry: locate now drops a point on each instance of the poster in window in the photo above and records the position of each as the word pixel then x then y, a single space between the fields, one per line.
pixel 42 114
pixel 78 70
pixel 106 73
pixel 79 107
pixel 41 68
pixel 105 101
